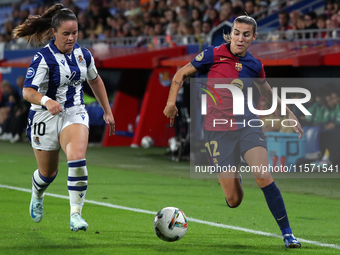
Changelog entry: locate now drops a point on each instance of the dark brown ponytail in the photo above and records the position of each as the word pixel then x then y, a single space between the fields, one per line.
pixel 37 28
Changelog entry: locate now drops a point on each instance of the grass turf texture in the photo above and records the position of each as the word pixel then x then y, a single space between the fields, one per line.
pixel 145 179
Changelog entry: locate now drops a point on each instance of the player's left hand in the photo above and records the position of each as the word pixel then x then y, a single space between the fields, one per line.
pixel 108 118
pixel 171 112
pixel 298 129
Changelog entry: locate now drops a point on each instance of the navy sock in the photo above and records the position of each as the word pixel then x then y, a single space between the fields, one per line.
pixel 277 207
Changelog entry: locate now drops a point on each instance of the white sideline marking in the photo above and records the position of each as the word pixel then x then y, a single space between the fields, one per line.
pixel 213 224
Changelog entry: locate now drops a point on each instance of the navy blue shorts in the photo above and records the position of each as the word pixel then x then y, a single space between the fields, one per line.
pixel 226 147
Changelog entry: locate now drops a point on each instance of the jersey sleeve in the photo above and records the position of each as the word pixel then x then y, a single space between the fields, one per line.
pixel 262 75
pixel 92 72
pixel 203 61
pixel 36 72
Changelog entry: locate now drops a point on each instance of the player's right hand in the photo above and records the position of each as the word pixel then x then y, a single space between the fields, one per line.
pixel 171 112
pixel 53 107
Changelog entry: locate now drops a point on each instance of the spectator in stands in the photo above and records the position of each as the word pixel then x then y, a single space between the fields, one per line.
pixel 83 23
pixel 135 31
pixel 155 17
pixel 172 28
pixel 209 5
pixel 196 14
pixel 185 28
pixel 183 13
pixel 206 27
pixel 219 3
pixel 284 22
pixel 172 24
pixel 146 17
pixel 70 4
pixel 301 22
pixel 14 125
pixel 98 14
pixel 294 17
pixel 159 29
pixel 310 23
pixel 330 134
pixel 249 7
pixel 213 16
pixel 200 5
pixel 226 13
pixel 262 6
pixel 10 99
pixel 330 8
pixel 197 25
pixel 16 15
pixel 321 23
pixel 273 6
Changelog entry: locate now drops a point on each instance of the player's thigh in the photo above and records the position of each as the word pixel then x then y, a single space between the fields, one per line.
pixel 256 158
pixel 74 140
pixel 47 162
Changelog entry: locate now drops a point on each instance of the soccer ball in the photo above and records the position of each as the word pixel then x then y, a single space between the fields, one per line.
pixel 170 224
pixel 147 142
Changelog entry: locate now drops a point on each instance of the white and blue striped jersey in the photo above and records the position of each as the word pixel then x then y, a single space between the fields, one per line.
pixel 60 76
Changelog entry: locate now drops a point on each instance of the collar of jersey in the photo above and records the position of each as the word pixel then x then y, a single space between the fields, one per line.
pixel 56 50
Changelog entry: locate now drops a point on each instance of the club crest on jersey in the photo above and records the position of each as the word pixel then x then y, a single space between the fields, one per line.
pixel 238 66
pixel 81 60
pixel 200 56
pixel 36 140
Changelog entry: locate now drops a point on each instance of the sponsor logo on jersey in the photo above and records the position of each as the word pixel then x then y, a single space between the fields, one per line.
pixel 71 81
pixel 35 57
pixel 200 56
pixel 238 66
pixel 30 73
pixel 63 62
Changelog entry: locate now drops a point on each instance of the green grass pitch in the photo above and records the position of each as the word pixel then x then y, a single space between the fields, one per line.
pixel 146 179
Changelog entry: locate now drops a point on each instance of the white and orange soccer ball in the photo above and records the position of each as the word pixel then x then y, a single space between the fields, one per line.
pixel 170 224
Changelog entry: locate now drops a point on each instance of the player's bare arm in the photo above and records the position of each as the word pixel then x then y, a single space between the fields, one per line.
pixel 34 97
pixel 98 88
pixel 185 72
pixel 267 92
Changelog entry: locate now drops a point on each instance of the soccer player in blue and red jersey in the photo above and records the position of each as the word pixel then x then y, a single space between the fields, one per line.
pixel 232 61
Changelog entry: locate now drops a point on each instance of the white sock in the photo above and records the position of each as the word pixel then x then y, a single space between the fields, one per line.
pixel 77 184
pixel 40 184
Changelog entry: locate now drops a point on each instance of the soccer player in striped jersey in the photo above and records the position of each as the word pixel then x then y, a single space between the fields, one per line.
pixel 58 118
pixel 232 61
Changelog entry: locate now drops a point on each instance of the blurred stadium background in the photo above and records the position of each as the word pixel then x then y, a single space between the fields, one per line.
pixel 138 46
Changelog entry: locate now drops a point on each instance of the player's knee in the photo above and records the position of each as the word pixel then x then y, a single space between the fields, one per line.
pixel 233 202
pixel 75 155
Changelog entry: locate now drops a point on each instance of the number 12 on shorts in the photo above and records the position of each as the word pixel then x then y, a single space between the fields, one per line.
pixel 215 146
